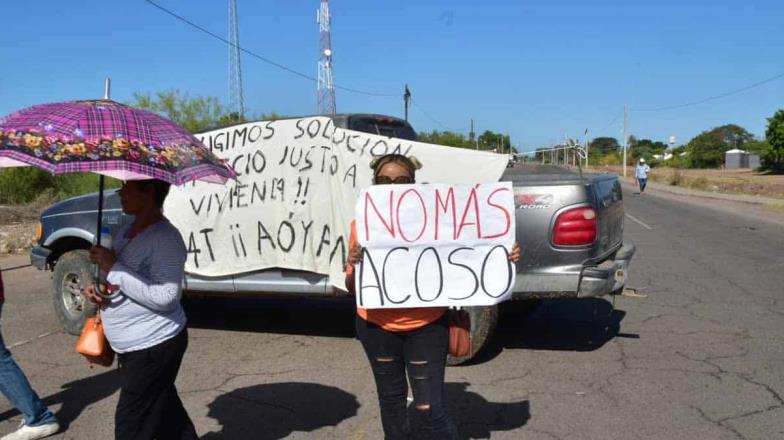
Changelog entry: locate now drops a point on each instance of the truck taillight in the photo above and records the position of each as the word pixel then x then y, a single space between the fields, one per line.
pixel 575 227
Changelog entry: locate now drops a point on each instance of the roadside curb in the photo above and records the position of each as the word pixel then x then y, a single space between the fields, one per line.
pixel 677 190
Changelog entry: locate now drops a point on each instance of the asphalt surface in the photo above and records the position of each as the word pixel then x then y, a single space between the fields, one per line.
pixel 698 353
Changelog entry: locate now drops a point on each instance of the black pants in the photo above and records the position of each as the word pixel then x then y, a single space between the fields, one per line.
pixel 421 353
pixel 149 406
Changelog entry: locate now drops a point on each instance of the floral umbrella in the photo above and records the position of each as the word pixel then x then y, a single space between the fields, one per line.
pixel 108 138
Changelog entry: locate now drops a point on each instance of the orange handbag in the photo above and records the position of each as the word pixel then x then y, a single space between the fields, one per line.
pixel 92 343
pixel 459 333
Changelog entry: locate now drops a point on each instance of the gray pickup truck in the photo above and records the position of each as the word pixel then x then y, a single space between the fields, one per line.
pixel 569 226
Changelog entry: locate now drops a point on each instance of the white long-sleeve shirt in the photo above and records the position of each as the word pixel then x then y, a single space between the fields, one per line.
pixel 149 272
pixel 641 172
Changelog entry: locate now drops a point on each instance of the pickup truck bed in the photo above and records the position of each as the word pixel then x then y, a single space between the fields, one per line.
pixel 550 202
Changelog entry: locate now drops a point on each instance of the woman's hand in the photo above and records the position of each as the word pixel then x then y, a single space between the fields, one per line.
pixel 90 293
pixel 103 257
pixel 514 256
pixel 354 254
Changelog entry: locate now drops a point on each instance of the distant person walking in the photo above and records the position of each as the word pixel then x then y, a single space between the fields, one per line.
pixel 38 421
pixel 641 173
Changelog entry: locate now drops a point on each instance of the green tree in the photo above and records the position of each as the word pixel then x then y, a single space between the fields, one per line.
pixel 646 148
pixel 773 158
pixel 195 114
pixel 603 145
pixel 23 184
pixel 490 140
pixel 447 138
pixel 756 146
pixel 487 141
pixel 706 150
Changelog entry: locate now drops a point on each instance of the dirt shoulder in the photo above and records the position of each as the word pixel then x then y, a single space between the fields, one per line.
pixel 741 182
pixel 17 228
pixel 746 206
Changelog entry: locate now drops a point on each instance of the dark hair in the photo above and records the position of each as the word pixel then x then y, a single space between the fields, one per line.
pixel 160 188
pixel 411 164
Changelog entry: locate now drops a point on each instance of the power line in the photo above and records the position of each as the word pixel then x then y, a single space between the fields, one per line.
pixel 427 114
pixel 260 57
pixel 444 127
pixel 711 98
pixel 611 122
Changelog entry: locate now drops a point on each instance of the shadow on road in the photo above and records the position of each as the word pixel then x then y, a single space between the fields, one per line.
pixel 274 411
pixel 78 395
pixel 311 317
pixel 568 325
pixel 478 418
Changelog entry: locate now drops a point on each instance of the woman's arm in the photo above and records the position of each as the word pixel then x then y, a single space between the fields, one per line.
pixel 354 256
pixel 161 291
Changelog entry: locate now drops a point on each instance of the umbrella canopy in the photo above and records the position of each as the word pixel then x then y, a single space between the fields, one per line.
pixel 109 138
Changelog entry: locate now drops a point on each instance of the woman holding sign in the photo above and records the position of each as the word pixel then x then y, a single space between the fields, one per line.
pixel 405 341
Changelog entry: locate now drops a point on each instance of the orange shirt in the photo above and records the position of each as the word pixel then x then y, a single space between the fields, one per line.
pixel 395 320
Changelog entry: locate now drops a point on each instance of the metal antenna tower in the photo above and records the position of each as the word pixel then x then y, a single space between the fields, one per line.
pixel 236 100
pixel 326 85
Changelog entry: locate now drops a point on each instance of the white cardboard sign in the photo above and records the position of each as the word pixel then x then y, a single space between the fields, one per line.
pixel 429 245
pixel 293 200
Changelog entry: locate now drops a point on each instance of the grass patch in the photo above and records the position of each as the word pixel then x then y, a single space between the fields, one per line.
pixel 699 183
pixel 675 178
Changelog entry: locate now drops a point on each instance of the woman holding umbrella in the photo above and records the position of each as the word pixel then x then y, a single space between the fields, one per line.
pixel 140 301
pixel 144 322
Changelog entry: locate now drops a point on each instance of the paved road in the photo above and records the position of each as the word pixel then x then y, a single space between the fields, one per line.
pixel 700 358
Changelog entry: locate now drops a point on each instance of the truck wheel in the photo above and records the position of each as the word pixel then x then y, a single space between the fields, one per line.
pixel 72 271
pixel 483 323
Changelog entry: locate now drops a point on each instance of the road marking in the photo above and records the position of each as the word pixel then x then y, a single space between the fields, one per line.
pixel 9 269
pixel 640 222
pixel 20 343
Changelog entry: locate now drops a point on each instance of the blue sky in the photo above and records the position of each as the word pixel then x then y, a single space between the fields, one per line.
pixel 535 69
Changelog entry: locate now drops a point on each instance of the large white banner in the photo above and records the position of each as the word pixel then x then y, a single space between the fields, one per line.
pixel 435 245
pixel 293 201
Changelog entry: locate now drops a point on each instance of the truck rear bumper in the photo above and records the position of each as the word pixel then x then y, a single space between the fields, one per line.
pixel 608 277
pixel 39 256
pixel 577 281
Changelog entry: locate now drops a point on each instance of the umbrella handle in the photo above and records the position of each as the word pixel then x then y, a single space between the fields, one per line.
pixel 99 226
pixel 97 271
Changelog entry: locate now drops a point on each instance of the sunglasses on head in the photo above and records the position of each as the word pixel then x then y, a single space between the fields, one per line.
pixel 386 180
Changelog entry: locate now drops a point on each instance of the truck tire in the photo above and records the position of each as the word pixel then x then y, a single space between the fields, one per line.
pixel 72 272
pixel 483 323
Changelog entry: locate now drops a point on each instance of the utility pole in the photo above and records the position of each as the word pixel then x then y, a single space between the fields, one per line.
pixel 585 142
pixel 625 139
pixel 406 98
pixel 471 134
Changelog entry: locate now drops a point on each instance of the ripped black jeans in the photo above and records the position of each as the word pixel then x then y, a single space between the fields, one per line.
pixel 421 353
